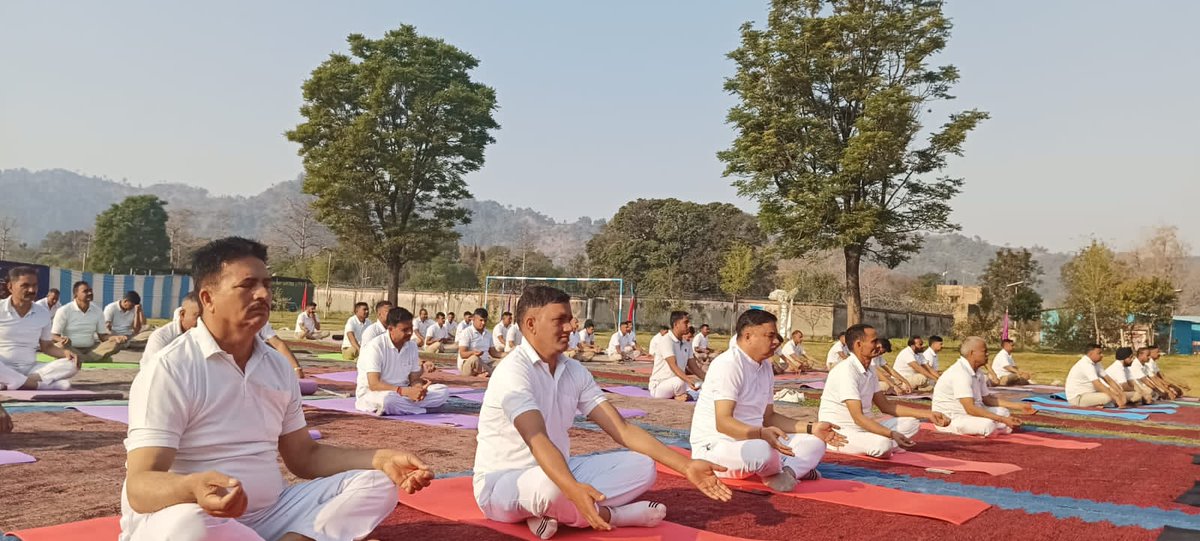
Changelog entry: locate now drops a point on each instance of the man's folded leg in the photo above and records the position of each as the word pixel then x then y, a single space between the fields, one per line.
pixel 668 388
pixel 350 353
pixel 1091 400
pixel 348 505
pixel 104 351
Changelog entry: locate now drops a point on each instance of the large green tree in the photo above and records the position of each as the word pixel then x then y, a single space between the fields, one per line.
pixel 1009 280
pixel 1093 278
pixel 132 235
pixel 1150 301
pixel 389 132
pixel 831 97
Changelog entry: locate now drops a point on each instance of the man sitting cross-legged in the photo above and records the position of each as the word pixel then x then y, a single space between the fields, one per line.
pixel 1120 373
pixel 184 321
pixel 704 353
pixel 79 327
pixel 380 325
pixel 735 423
pixel 911 364
pixel 25 327
pixel 962 394
pixel 352 333
pixel 211 414
pixel 1005 367
pixel 524 471
pixel 391 380
pixel 124 318
pixel 793 354
pixel 623 346
pixel 437 336
pixel 838 352
pixel 850 391
pixel 576 349
pixel 889 381
pixel 475 347
pixel 308 325
pixel 1088 386
pixel 50 302
pixel 668 378
pixel 1140 376
pixel 1176 387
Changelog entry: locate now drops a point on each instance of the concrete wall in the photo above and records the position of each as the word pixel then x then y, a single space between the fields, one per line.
pixel 895 324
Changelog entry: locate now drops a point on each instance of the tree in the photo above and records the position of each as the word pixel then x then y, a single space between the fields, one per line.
pixel 1092 278
pixel 181 223
pixel 442 273
pixel 738 271
pixel 814 285
pixel 389 132
pixel 1151 301
pixel 8 235
pixel 298 230
pixel 831 97
pixel 132 235
pixel 65 248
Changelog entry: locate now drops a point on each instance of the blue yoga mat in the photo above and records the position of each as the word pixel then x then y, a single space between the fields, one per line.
pixel 1063 396
pixel 1094 413
pixel 1061 403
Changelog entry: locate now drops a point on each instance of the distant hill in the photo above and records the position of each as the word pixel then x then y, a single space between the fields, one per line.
pixel 963 258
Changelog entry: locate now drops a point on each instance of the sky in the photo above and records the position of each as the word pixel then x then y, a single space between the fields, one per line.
pixel 1095 126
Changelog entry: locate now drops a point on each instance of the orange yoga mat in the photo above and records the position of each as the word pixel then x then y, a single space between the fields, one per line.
pixel 453 499
pixel 952 509
pixel 1023 438
pixel 97 529
pixel 925 460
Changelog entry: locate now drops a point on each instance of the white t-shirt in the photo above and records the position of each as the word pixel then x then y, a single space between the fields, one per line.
pixel 474 340
pixel 512 337
pixel 370 332
pixel 1137 370
pixel 461 326
pixel 436 333
pixel 193 398
pixel 587 337
pixel 573 341
pixel 45 303
pixel 80 327
pixel 353 325
pixel 699 342
pixel 500 334
pixel 121 320
pixel 907 355
pixel 833 358
pixel 421 326
pixel 1002 360
pixel 162 337
pixel 266 332
pixel 1081 376
pixel 790 348
pixel 931 358
pixel 620 343
pixel 305 323
pixel 668 346
pixel 523 383
pixel 959 381
pixel 1152 367
pixel 732 376
pixel 1119 372
pixel 849 380
pixel 20 336
pixel 658 337
pixel 394 365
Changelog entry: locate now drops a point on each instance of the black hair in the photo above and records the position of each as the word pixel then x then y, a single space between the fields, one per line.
pixel 933 339
pixel 691 329
pixel 627 322
pixel 537 297
pixel 509 314
pixel 133 297
pixel 677 315
pixel 75 287
pixel 1153 347
pixel 423 310
pixel 1141 349
pixel 841 335
pixel 361 304
pixel 589 324
pixel 886 345
pixel 704 326
pixel 481 312
pixel 1123 353
pixel 857 332
pixel 662 328
pixel 753 318
pixel 54 290
pixel 19 271
pixel 397 316
pixel 1088 348
pixel 208 261
pixel 911 340
pixel 439 314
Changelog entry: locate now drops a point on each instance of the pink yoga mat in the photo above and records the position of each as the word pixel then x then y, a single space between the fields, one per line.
pixel 1029 439
pixel 105 528
pixel 120 414
pixel 308 386
pixel 58 396
pixel 453 499
pixel 632 391
pixel 349 376
pixel 15 457
pixel 448 420
pixel 925 460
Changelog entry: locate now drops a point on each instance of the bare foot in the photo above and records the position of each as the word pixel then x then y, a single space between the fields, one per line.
pixel 784 481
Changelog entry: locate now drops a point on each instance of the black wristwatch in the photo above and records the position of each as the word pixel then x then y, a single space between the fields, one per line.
pixel 808 428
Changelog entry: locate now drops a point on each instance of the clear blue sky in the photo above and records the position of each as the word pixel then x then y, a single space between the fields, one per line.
pixel 1095 129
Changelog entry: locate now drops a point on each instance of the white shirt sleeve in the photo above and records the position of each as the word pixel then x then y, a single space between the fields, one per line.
pixel 431 332
pixel 590 394
pixel 101 329
pixel 463 339
pixel 158 411
pixel 369 361
pixel 840 389
pixel 110 311
pixel 723 381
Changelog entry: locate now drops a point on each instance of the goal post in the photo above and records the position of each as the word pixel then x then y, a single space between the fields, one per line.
pixel 620 282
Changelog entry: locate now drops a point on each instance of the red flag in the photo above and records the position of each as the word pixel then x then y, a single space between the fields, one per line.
pixel 632 306
pixel 304 298
pixel 1004 329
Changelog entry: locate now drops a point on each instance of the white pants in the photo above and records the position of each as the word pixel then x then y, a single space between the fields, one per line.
pixel 668 388
pixel 756 457
pixel 57 370
pixel 394 404
pixel 345 506
pixel 861 442
pixel 969 425
pixel 515 495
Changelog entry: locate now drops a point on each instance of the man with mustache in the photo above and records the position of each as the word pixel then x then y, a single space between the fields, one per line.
pixel 79 327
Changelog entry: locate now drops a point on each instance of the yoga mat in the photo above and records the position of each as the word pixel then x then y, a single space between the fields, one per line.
pixel 97 366
pixel 1171 533
pixel 451 371
pixel 813 385
pixel 15 457
pixel 448 420
pixel 120 414
pixel 926 460
pixel 331 356
pixel 307 387
pixel 1093 413
pixel 1026 439
pixel 643 371
pixel 632 391
pixel 1191 497
pixel 87 530
pixel 1064 404
pixel 1063 397
pixel 952 509
pixel 453 499
pixel 58 396
pixel 349 376
pixel 914 397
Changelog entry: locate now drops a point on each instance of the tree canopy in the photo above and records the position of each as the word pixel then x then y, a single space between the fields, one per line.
pixel 1092 279
pixel 132 235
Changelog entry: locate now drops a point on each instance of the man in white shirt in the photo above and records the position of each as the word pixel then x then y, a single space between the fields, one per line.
pixel 1174 387
pixel 184 321
pixel 794 355
pixel 1140 374
pixel 586 349
pixel 931 353
pixel 837 352
pixel 353 331
pixel 267 334
pixel 1005 367
pixel 735 423
pixel 437 336
pixel 622 346
pixel 79 327
pixel 379 326
pixel 451 325
pixel 468 317
pixel 524 470
pixel 668 378
pixel 308 326
pixel 661 335
pixel 420 325
pixel 1088 386
pixel 851 389
pixel 25 327
pixel 962 394
pixel 475 347
pixel 889 381
pixel 700 345
pixel 512 338
pixel 212 413
pixel 500 332
pixel 574 349
pixel 910 363
pixel 391 380
pixel 125 318
pixel 50 302
pixel 1120 373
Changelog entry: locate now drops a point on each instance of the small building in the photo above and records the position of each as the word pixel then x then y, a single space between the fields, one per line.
pixel 964 299
pixel 1184 334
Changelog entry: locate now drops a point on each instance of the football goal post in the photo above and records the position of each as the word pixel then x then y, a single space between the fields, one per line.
pixel 506 289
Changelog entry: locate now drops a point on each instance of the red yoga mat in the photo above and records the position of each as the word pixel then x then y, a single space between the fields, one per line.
pixel 453 499
pixel 950 509
pixel 104 528
pixel 1031 439
pixel 925 460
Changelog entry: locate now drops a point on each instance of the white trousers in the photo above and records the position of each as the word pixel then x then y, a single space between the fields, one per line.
pixel 969 425
pixel 57 370
pixel 345 506
pixel 747 458
pixel 394 404
pixel 668 388
pixel 861 442
pixel 515 495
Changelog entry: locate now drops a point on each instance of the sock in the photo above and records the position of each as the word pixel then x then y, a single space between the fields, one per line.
pixel 542 527
pixel 60 385
pixel 643 514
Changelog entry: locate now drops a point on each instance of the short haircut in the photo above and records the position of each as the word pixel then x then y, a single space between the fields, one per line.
pixel 856 332
pixel 75 287
pixel 397 316
pixel 1124 353
pixel 537 297
pixel 589 324
pixel 753 318
pixel 677 315
pixel 662 328
pixel 210 259
pixel 798 331
pixel 1093 346
pixel 1141 349
pixel 467 313
pixel 691 329
pixel 423 310
pixel 192 296
pixel 886 345
pixel 1006 341
pixel 381 304
pixel 1153 347
pixel 439 314
pixel 913 340
pixel 627 322
pixel 508 314
pixel 480 312
pixel 54 290
pixel 19 271
pixel 361 304
pixel 311 304
pixel 703 326
pixel 933 339
pixel 841 334
pixel 968 344
pixel 132 297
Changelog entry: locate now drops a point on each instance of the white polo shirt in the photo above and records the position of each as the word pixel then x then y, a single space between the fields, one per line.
pixel 699 342
pixel 514 336
pixel 907 355
pixel 1137 370
pixel 162 337
pixel 849 380
pixel 832 358
pixel 1002 360
pixel 658 337
pixel 500 334
pixel 353 325
pixel 573 341
pixel 436 333
pixel 959 381
pixel 121 320
pixel 305 323
pixel 394 365
pixel 620 342
pixel 668 346
pixel 586 337
pixel 420 326
pixel 790 348
pixel 523 383
pixel 192 397
pixel 462 325
pixel 45 303
pixel 79 326
pixel 1081 376
pixel 267 332
pixel 20 336
pixel 931 358
pixel 1152 367
pixel 371 331
pixel 733 375
pixel 474 340
pixel 1119 372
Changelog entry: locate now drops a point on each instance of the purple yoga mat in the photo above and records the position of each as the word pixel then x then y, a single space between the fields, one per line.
pixel 308 386
pixel 57 396
pixel 631 391
pixel 15 457
pixel 448 420
pixel 120 414
pixel 349 376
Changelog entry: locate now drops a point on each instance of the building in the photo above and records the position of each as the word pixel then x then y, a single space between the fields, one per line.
pixel 1184 335
pixel 962 298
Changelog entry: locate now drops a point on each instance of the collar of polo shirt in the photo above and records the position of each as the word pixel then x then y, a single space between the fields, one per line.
pixel 209 346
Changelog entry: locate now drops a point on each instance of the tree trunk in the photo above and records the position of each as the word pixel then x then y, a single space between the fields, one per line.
pixel 1096 325
pixel 393 294
pixel 853 294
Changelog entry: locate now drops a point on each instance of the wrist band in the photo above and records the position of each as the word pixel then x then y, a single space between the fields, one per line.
pixel 808 428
